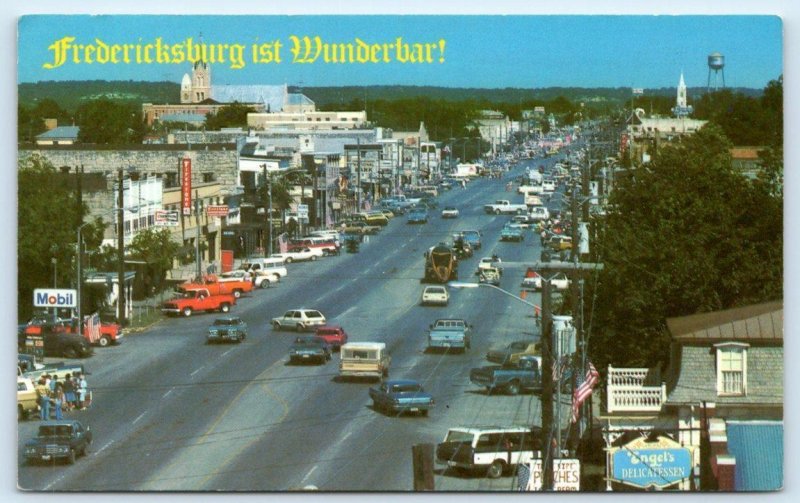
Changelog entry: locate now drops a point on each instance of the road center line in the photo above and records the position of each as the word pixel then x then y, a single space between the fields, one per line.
pixel 138 418
pixel 196 371
pixel 226 352
pixel 104 447
pixel 309 474
pixel 165 395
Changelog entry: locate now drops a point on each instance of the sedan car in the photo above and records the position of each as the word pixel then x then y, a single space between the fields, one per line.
pixel 401 396
pixel 227 328
pixel 333 335
pixel 513 352
pixel 300 255
pixel 309 348
pixel 356 227
pixel 417 216
pixel 450 212
pixel 559 281
pixel 435 295
pixel 299 319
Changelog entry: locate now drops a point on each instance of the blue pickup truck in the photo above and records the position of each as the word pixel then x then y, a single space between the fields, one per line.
pixel 510 378
pixel 449 334
pixel 510 233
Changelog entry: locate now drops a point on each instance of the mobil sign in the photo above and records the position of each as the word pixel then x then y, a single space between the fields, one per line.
pixel 54 297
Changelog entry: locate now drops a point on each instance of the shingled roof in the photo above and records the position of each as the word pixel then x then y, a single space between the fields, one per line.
pixel 755 322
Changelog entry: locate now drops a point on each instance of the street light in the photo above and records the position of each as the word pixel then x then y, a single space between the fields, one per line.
pixel 461 284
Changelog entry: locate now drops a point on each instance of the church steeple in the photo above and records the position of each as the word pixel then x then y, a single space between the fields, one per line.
pixel 681 108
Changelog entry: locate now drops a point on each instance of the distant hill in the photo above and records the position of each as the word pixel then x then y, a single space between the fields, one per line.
pixel 71 94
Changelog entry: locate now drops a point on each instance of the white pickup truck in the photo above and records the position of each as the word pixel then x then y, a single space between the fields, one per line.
pixel 502 206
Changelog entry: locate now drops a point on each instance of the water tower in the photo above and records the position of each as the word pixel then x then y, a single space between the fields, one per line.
pixel 716 64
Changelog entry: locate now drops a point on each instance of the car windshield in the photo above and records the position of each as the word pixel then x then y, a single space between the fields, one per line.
pixel 55 430
pixel 458 436
pixel 406 388
pixel 327 331
pixel 225 322
pixel 434 289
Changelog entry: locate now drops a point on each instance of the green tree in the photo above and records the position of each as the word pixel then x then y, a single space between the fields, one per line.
pixel 109 123
pixel 685 234
pixel 233 115
pixel 45 203
pixel 155 247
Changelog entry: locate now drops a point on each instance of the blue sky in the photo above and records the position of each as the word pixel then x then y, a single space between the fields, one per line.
pixel 480 51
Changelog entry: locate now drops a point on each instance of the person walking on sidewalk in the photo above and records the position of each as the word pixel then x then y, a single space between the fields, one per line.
pixel 43 397
pixel 59 402
pixel 82 391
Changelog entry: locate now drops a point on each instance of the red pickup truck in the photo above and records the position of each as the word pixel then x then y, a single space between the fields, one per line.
pixel 97 332
pixel 217 287
pixel 198 300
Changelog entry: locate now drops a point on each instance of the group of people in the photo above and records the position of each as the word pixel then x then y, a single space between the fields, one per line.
pixel 59 395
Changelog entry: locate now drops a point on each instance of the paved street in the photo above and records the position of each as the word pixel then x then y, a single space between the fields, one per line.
pixel 172 413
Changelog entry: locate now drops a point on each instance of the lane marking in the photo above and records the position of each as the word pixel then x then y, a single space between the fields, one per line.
pixel 104 447
pixel 138 418
pixel 226 352
pixel 196 371
pixel 347 311
pixel 165 395
pixel 309 474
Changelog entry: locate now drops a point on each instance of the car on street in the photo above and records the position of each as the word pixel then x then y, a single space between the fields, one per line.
pixel 490 275
pixel 559 243
pixel 307 348
pixel 333 335
pixel 373 218
pixel 299 319
pixel 435 295
pixel 400 396
pixel 473 237
pixel 450 212
pixel 489 450
pixel 359 227
pixel 512 353
pixel 364 359
pixel 417 216
pixel 559 281
pixel 450 333
pixel 511 233
pixel 58 440
pixel 492 262
pixel 274 267
pixel 300 255
pixel 227 328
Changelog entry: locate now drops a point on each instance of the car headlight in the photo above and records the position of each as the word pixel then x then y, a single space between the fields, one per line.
pixel 30 450
pixel 63 448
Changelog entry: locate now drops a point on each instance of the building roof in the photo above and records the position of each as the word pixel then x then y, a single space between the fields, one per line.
pixel 763 322
pixel 272 97
pixel 298 99
pixel 745 153
pixel 758 449
pixel 182 118
pixel 60 133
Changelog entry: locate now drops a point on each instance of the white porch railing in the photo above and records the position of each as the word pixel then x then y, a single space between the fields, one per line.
pixel 626 392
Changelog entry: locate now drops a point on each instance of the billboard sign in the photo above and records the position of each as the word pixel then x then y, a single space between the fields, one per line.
pixel 186 185
pixel 166 218
pixel 645 464
pixel 54 297
pixel 217 211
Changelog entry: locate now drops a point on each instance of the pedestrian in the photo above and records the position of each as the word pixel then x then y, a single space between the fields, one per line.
pixel 43 398
pixel 464 184
pixel 53 383
pixel 69 392
pixel 82 391
pixel 59 402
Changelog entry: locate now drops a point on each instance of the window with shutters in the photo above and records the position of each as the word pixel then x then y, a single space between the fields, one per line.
pixel 731 369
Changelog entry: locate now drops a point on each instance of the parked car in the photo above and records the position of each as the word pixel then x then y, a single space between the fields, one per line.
pixel 489 450
pixel 227 328
pixel 401 396
pixel 299 319
pixel 58 440
pixel 26 398
pixel 435 295
pixel 450 212
pixel 512 353
pixel 333 335
pixel 59 343
pixel 559 281
pixel 417 216
pixel 560 243
pixel 272 266
pixel 310 347
pixel 300 255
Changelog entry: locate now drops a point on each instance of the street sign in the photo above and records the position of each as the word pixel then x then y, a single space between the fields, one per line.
pixel 166 218
pixel 302 211
pixel 566 475
pixel 54 297
pixel 217 211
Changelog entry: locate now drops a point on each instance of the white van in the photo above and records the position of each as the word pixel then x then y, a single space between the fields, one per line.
pixel 276 267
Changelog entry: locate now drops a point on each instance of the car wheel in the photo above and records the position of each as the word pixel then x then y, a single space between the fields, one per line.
pixel 264 283
pixel 288 260
pixel 187 311
pixel 496 469
pixel 71 457
pixel 237 294
pixel 513 388
pixel 225 307
pixel 313 258
pixel 276 325
pixel 104 341
pixel 497 212
pixel 300 327
pixel 70 352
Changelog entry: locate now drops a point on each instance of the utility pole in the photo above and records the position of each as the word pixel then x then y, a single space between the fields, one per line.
pixel 422 456
pixel 120 251
pixel 547 387
pixel 197 234
pixel 358 173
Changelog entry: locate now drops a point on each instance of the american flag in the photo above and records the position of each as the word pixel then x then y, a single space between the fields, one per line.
pixel 283 243
pixel 583 390
pixel 93 327
pixel 523 477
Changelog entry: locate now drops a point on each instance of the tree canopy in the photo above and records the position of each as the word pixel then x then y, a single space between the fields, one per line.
pixel 684 234
pixel 233 115
pixel 109 122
